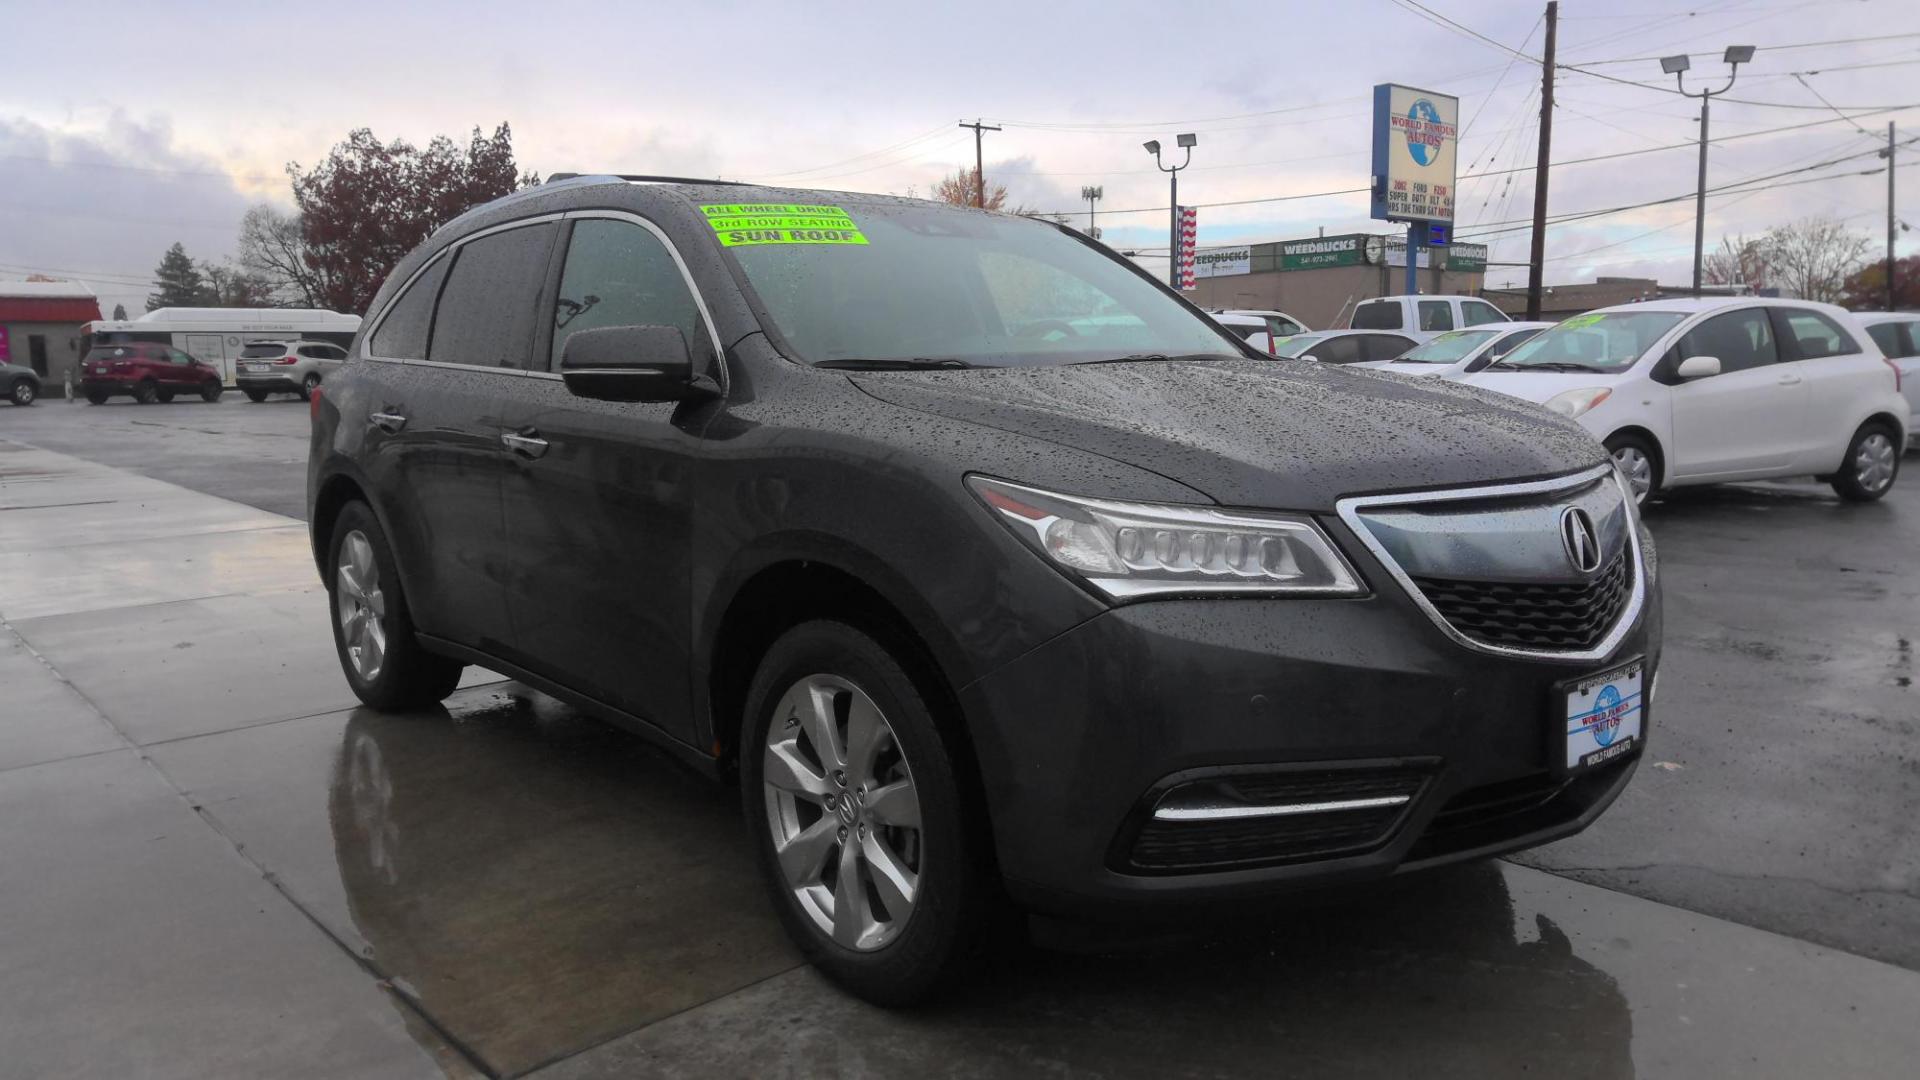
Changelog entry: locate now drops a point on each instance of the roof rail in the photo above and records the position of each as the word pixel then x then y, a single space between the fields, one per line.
pixel 556 177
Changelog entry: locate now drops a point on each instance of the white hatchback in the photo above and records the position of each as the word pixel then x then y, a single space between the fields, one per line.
pixel 1702 391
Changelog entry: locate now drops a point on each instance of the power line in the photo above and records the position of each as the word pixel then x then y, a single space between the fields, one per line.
pixel 1761 48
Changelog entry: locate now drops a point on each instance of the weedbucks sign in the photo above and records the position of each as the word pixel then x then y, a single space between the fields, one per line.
pixel 1321 252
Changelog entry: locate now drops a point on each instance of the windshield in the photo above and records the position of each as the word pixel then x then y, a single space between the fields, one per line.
pixel 921 284
pixel 1447 348
pixel 1599 341
pixel 1295 345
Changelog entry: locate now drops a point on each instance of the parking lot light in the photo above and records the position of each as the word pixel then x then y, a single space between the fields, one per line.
pixel 1677 67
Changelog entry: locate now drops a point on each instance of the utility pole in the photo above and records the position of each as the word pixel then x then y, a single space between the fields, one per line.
pixel 979 169
pixel 1677 66
pixel 1890 263
pixel 1536 267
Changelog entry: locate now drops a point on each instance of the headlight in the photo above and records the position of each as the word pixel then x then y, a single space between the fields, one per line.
pixel 1129 550
pixel 1575 402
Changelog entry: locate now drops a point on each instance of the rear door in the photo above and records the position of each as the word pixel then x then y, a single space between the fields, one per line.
pixel 1342 349
pixel 1838 375
pixel 1749 420
pixel 598 498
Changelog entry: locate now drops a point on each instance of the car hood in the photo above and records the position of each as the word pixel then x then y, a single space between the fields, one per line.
pixel 1285 435
pixel 1538 385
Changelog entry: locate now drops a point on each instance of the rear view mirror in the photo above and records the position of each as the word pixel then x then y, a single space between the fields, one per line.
pixel 632 363
pixel 1698 367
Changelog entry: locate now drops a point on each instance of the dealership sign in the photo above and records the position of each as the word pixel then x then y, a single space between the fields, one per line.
pixel 1416 137
pixel 1223 262
pixel 1321 252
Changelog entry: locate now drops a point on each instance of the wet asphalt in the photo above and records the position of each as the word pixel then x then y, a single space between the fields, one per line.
pixel 215 864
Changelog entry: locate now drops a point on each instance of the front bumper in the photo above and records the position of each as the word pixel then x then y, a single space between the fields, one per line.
pixel 1078 738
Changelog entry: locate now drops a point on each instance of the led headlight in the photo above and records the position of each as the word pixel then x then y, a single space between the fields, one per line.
pixel 1129 550
pixel 1574 402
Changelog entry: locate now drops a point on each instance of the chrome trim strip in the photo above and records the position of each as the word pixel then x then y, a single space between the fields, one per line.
pixel 1229 813
pixel 1351 508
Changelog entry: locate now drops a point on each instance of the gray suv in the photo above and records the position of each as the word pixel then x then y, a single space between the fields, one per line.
pixel 288 367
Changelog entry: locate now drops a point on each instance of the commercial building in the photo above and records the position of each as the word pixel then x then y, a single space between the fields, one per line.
pixel 40 325
pixel 1320 279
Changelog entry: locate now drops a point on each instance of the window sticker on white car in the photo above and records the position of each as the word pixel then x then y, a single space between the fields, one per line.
pixel 743 224
pixel 1579 321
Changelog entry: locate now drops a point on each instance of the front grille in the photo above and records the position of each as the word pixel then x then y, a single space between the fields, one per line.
pixel 1166 846
pixel 1531 615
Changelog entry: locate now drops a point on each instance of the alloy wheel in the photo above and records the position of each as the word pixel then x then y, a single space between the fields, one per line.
pixel 843 812
pixel 1638 470
pixel 23 393
pixel 361 606
pixel 1873 462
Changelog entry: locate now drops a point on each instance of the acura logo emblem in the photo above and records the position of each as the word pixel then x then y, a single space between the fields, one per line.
pixel 1578 537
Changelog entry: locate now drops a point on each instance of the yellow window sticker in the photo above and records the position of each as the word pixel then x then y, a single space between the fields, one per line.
pixel 746 224
pixel 1580 321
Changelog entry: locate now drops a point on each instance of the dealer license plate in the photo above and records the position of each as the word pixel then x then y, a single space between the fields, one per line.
pixel 255 367
pixel 1604 714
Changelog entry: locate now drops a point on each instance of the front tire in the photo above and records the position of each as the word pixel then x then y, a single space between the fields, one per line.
pixel 1639 465
pixel 23 392
pixel 1872 464
pixel 851 791
pixel 372 625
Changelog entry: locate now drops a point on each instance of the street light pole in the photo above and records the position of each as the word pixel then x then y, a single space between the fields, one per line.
pixel 1890 262
pixel 1677 67
pixel 1186 141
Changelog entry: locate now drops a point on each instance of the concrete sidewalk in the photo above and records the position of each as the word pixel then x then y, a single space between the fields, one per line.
pixel 215 864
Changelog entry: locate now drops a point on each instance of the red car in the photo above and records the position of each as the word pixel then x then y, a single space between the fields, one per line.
pixel 147 371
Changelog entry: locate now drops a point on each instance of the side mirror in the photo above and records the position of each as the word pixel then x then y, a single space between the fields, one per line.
pixel 632 363
pixel 1698 367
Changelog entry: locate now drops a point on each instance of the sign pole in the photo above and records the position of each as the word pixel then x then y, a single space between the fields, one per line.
pixel 1416 242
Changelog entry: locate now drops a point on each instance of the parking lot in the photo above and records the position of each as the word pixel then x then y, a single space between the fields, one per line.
pixel 213 855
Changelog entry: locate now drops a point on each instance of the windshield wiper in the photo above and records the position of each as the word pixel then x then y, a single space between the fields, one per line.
pixel 918 363
pixel 1146 356
pixel 1553 365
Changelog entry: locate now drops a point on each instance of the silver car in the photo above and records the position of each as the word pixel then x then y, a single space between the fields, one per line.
pixel 20 385
pixel 1898 335
pixel 285 367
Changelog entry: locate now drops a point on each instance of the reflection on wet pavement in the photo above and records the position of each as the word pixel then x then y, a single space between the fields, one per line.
pixel 540 882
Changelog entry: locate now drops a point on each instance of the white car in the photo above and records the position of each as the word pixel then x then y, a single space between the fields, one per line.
pixel 1459 353
pixel 1246 324
pixel 1424 317
pixel 1898 335
pixel 1701 391
pixel 1334 346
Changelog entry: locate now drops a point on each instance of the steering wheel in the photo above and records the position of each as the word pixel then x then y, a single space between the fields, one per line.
pixel 1044 328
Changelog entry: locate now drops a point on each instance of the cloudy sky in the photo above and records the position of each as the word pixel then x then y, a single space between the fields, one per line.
pixel 160 123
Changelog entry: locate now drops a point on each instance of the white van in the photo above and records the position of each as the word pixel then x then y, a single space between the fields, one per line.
pixel 1424 317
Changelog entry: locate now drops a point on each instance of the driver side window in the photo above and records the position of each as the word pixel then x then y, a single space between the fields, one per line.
pixel 1740 339
pixel 619 274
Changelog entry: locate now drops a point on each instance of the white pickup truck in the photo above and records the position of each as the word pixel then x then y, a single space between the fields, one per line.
pixel 1424 317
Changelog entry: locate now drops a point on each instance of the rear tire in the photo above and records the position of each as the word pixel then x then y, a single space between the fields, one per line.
pixel 210 392
pixel 372 625
pixel 1639 465
pixel 308 385
pixel 255 396
pixel 891 824
pixel 1871 466
pixel 96 397
pixel 22 392
pixel 147 393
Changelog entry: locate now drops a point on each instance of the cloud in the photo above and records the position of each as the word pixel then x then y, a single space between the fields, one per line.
pixel 102 204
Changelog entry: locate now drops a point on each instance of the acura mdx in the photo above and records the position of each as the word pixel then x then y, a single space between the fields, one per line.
pixel 996 574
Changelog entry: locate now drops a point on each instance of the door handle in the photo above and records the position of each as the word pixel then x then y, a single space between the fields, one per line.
pixel 1789 380
pixel 387 421
pixel 527 446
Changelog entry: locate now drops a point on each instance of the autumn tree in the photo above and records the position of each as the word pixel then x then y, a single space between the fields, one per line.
pixel 1811 258
pixel 1737 261
pixel 369 203
pixel 176 281
pixel 963 187
pixel 1866 290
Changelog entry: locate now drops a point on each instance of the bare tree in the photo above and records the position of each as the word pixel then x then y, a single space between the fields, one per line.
pixel 1812 258
pixel 1737 261
pixel 273 250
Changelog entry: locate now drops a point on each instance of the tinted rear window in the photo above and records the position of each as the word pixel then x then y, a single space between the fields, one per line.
pixel 1379 315
pixel 403 333
pixel 485 316
pixel 262 350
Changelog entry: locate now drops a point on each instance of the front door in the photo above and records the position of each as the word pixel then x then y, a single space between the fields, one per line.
pixel 598 502
pixel 1748 420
